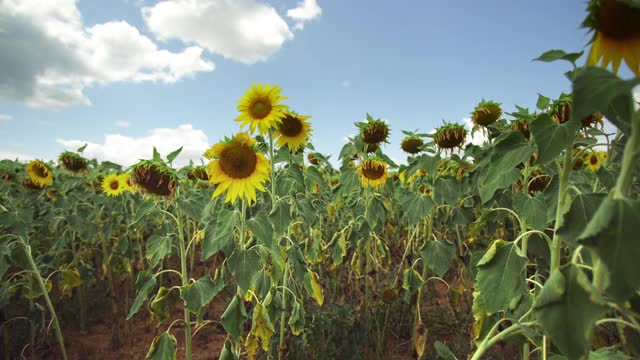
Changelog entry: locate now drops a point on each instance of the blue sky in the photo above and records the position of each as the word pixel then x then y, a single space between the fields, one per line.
pixel 413 63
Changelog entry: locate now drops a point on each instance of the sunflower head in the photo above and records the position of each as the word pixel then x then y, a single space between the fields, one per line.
pixel 616 27
pixel 591 121
pixel 198 173
pixel 486 113
pixel 334 181
pixel 27 183
pixel 412 144
pixel 594 159
pixel 293 131
pixel 260 107
pixel 73 162
pixel 538 180
pixel 522 126
pixel 127 182
pixel 562 109
pixel 154 177
pixel 237 167
pixel 313 159
pixel 450 136
pixel 112 185
pixel 39 173
pixel 373 131
pixel 373 172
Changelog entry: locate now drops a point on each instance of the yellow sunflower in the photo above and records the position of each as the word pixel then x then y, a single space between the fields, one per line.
pixel 112 185
pixel 259 107
pixel 237 168
pixel 595 159
pixel 293 131
pixel 39 173
pixel 127 182
pixel 373 172
pixel 617 34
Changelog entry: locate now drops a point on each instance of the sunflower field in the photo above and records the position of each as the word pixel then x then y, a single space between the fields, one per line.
pixel 523 247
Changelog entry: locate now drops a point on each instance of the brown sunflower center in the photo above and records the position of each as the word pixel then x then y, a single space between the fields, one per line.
pixel 291 126
pixel 238 161
pixel 375 133
pixel 260 108
pixel 114 185
pixel 593 159
pixel 373 171
pixel 40 171
pixel 618 20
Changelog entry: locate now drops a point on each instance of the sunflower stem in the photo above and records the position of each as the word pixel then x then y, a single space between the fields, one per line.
pixel 556 244
pixel 185 282
pixel 273 171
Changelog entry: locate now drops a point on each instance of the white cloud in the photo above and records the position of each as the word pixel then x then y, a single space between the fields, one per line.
pixel 478 137
pixel 10 155
pixel 241 30
pixel 345 83
pixel 5 117
pixel 50 56
pixel 307 10
pixel 126 150
pixel 122 124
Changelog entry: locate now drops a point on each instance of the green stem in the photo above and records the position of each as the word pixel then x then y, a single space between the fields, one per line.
pixel 273 171
pixel 283 315
pixel 185 281
pixel 556 243
pixel 43 288
pixel 490 341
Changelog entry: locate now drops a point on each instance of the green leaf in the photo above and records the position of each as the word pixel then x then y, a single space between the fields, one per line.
pixel 437 255
pixel 543 102
pixel 612 233
pixel 82 148
pixel 158 247
pixel 565 309
pixel 163 347
pixel 598 90
pixel 161 305
pixel 226 353
pixel 580 213
pixel 261 228
pixel 297 261
pixel 608 354
pixel 552 138
pixel 219 233
pixel 488 184
pixel 501 276
pixel 173 155
pixel 532 210
pixel 556 54
pixel 156 155
pixel 234 317
pixel 200 293
pixel 443 351
pixel 411 282
pixel 244 264
pixel 445 191
pixel 70 279
pixel 280 216
pixel 415 207
pixel 145 284
pixel 425 162
pixel 296 319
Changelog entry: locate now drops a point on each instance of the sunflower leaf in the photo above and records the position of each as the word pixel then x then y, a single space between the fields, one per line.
pixel 557 54
pixel 81 149
pixel 156 155
pixel 234 317
pixel 552 138
pixel 244 264
pixel 173 155
pixel 145 283
pixel 163 347
pixel 200 293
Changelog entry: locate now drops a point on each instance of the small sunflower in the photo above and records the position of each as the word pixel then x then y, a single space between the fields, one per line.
pixel 616 26
pixel 73 162
pixel 112 185
pixel 373 172
pixel 198 173
pixel 28 184
pixel 293 131
pixel 486 113
pixel 373 131
pixel 154 177
pixel 39 173
pixel 595 159
pixel 412 144
pixel 260 107
pixel 562 109
pixel 591 121
pixel 313 159
pixel 237 168
pixel 522 126
pixel 127 182
pixel 450 136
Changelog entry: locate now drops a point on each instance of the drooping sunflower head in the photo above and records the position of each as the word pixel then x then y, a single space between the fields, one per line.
pixel 112 185
pixel 27 183
pixel 373 131
pixel 486 113
pixel 260 107
pixel 562 109
pixel 237 167
pixel 373 172
pixel 538 180
pixel 522 126
pixel 412 144
pixel 293 131
pixel 591 121
pixel 450 136
pixel 154 177
pixel 198 173
pixel 616 27
pixel 39 173
pixel 313 159
pixel 595 159
pixel 73 162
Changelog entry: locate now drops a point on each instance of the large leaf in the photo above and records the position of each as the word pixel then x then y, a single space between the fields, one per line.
pixel 163 347
pixel 145 284
pixel 244 264
pixel 296 319
pixel 158 247
pixel 556 54
pixel 580 213
pixel 415 207
pixel 411 282
pixel 280 216
pixel 532 210
pixel 234 317
pixel 261 326
pixel 565 309
pixel 200 293
pixel 445 191
pixel 612 233
pixel 173 155
pixel 219 233
pixel 552 138
pixel 501 276
pixel 313 287
pixel 437 255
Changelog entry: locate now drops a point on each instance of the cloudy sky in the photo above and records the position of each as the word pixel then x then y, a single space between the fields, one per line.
pixel 127 75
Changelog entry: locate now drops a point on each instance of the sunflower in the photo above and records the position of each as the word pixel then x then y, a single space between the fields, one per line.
pixel 373 172
pixel 259 107
pixel 562 109
pixel 39 173
pixel 154 177
pixel 127 182
pixel 522 126
pixel 293 131
pixel 28 184
pixel 198 173
pixel 373 131
pixel 450 136
pixel 112 185
pixel 616 26
pixel 313 159
pixel 595 159
pixel 237 168
pixel 412 144
pixel 486 113
pixel 72 162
